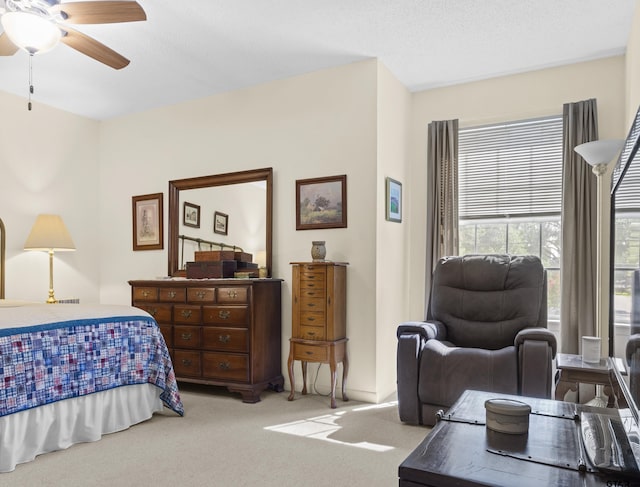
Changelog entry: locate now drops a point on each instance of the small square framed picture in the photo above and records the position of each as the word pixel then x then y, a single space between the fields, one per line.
pixel 191 215
pixel 220 223
pixel 393 200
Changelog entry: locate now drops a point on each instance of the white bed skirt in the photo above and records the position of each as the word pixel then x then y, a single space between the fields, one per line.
pixel 57 426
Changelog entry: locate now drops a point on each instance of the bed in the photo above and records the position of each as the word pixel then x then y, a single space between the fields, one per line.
pixel 71 373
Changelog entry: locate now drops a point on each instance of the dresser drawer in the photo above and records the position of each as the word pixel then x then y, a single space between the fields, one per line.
pixel 201 295
pixel 312 332
pixel 312 304
pixel 236 294
pixel 145 293
pixel 225 366
pixel 226 315
pixel 186 364
pixel 172 294
pixel 160 312
pixel 225 339
pixel 312 353
pixel 167 333
pixel 186 336
pixel 187 314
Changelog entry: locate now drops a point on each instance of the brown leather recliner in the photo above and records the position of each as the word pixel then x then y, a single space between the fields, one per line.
pixel 486 330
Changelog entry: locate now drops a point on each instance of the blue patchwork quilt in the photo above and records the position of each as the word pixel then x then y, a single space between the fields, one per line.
pixel 43 364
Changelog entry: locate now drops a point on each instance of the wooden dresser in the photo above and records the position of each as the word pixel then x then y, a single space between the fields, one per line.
pixel 224 332
pixel 319 324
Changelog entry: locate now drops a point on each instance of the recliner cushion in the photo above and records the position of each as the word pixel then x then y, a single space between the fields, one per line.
pixel 446 372
pixel 485 300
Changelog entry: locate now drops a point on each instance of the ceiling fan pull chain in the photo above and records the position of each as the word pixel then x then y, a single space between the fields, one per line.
pixel 30 79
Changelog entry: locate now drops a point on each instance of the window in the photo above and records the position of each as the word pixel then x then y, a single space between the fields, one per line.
pixel 510 193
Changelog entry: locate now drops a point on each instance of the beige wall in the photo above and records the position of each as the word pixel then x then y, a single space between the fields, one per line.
pixel 392 244
pixel 49 164
pixel 320 124
pixel 528 95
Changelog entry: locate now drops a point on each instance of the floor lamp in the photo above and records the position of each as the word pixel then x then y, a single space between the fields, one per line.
pixel 50 234
pixel 598 154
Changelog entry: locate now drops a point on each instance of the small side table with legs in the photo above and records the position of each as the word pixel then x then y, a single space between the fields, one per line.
pixel 574 371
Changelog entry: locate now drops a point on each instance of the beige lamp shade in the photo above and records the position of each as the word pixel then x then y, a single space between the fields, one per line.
pixel 49 233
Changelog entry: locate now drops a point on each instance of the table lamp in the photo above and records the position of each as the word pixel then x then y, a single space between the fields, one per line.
pixel 50 234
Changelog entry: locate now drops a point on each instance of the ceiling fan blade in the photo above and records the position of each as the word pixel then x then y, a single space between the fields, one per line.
pixel 101 12
pixel 92 48
pixel 7 48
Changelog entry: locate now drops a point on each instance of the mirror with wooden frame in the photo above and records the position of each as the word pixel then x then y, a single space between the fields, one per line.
pixel 245 198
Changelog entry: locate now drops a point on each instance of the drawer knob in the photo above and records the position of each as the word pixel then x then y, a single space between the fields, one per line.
pixel 311 333
pixel 224 338
pixel 186 336
pixel 186 313
pixel 145 293
pixel 172 294
pixel 224 365
pixel 201 294
pixel 186 362
pixel 311 305
pixel 311 318
pixel 232 293
pixel 153 311
pixel 309 352
pixel 224 314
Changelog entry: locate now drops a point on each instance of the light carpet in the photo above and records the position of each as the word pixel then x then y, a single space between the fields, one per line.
pixel 223 442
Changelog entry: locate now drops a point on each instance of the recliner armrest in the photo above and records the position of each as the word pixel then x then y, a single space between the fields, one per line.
pixel 426 329
pixel 633 346
pixel 540 334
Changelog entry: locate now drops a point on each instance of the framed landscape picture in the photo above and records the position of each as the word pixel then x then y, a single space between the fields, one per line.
pixel 321 203
pixel 191 215
pixel 393 200
pixel 147 222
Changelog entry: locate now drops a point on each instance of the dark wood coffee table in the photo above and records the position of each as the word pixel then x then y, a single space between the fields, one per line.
pixel 462 452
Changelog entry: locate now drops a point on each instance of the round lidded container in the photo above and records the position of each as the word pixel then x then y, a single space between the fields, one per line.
pixel 507 416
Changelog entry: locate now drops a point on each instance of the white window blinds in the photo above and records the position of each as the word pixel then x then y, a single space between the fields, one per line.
pixel 511 169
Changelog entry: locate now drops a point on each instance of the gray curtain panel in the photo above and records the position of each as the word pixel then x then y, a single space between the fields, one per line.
pixel 579 226
pixel 442 196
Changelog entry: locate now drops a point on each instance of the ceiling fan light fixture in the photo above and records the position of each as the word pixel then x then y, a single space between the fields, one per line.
pixel 31 32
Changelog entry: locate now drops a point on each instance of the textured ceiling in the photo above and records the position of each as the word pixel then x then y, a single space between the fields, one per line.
pixel 194 48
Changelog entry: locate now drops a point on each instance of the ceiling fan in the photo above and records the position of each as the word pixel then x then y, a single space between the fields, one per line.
pixel 38 25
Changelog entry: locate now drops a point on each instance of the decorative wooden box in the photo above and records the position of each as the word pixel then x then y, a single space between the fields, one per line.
pixel 211 269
